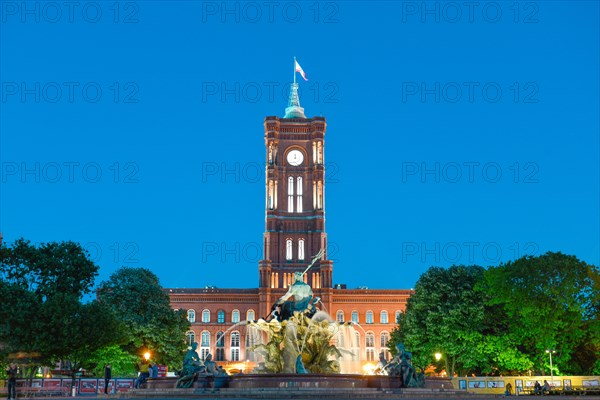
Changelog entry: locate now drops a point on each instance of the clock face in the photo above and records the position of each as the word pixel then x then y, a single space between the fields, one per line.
pixel 295 157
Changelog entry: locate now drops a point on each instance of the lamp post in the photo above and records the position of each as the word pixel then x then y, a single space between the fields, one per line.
pixel 550 352
pixel 438 357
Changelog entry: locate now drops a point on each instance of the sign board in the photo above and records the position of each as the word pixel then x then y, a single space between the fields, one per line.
pixel 52 383
pixel 88 386
pixel 123 385
pixel 162 371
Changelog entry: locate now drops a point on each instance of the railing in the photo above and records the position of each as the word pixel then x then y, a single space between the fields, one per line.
pixel 63 386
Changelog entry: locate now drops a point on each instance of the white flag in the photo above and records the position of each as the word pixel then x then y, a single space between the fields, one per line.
pixel 299 69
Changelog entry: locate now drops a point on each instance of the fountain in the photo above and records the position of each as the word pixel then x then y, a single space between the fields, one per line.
pixel 300 347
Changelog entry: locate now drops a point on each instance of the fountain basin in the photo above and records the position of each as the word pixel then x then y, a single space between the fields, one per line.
pixel 284 381
pixel 307 381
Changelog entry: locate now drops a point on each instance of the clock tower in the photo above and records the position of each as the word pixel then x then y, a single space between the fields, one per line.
pixel 295 204
pixel 294 236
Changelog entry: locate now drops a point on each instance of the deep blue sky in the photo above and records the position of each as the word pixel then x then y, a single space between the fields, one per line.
pixel 179 107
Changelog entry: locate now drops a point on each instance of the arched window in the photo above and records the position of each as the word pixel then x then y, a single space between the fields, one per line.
pixel 290 194
pixel 299 194
pixel 355 317
pixel 271 195
pixel 250 315
pixel 383 317
pixel 220 349
pixel 235 339
pixel 191 316
pixel 235 346
pixel 235 316
pixel 301 249
pixel 220 339
pixel 221 317
pixel 385 338
pixel 370 346
pixel 204 344
pixel 288 249
pixel 369 317
pixel 190 337
pixel 398 313
pixel 319 195
pixel 205 339
pixel 206 316
pixel 340 316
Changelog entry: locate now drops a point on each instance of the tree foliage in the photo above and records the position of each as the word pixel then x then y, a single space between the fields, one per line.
pixel 136 297
pixel 552 304
pixel 44 314
pixel 445 315
pixel 122 363
pixel 503 319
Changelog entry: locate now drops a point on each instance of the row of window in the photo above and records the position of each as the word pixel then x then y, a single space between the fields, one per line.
pixel 294 195
pixel 250 315
pixel 234 343
pixel 369 347
pixel 383 317
pixel 288 279
pixel 235 316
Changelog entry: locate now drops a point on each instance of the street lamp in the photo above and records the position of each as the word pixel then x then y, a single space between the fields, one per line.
pixel 147 355
pixel 438 357
pixel 550 352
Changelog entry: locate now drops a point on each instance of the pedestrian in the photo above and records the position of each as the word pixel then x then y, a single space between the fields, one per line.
pixel 107 377
pixel 155 370
pixel 144 374
pixel 546 388
pixel 12 381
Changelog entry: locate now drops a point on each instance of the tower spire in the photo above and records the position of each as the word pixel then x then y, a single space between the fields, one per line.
pixel 293 110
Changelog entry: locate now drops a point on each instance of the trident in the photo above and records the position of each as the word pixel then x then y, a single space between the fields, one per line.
pixel 315 258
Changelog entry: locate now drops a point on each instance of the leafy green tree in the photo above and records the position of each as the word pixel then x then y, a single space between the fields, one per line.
pixel 136 297
pixel 420 360
pixel 447 315
pixel 44 315
pixel 122 363
pixel 80 330
pixel 552 302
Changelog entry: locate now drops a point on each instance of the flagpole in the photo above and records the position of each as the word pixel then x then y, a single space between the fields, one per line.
pixel 294 70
